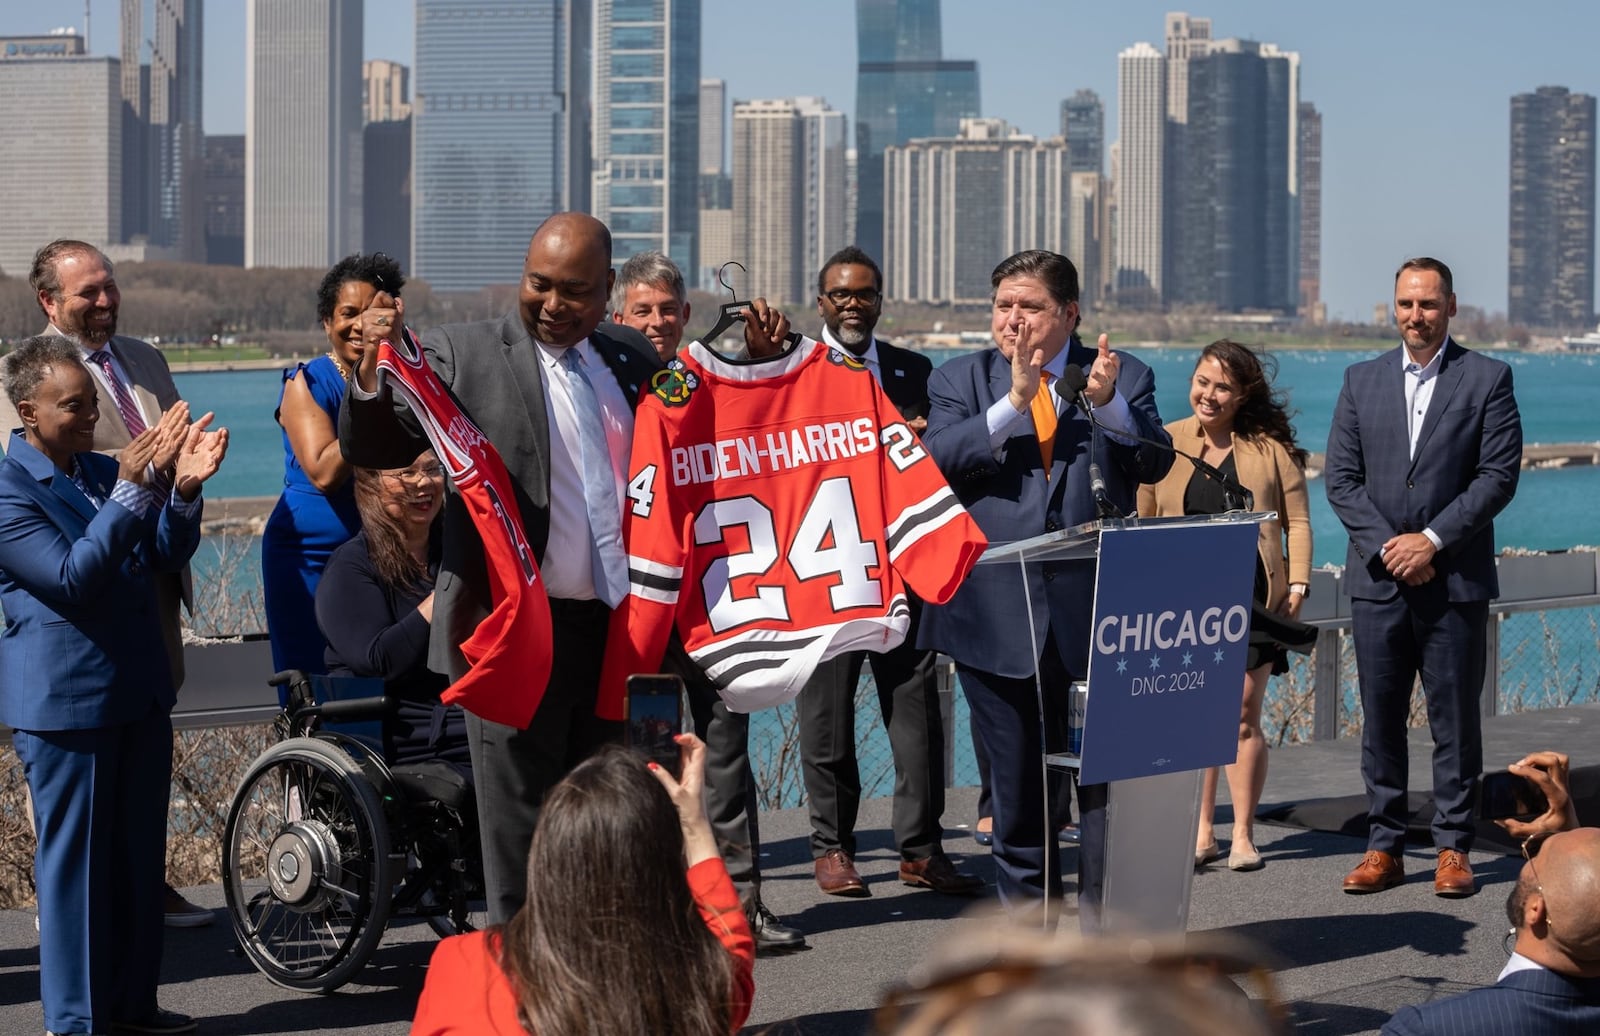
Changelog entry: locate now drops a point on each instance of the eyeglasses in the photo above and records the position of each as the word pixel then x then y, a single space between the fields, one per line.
pixel 867 297
pixel 425 473
pixel 1530 849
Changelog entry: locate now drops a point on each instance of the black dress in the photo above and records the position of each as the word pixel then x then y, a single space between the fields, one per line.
pixel 374 629
pixel 1204 496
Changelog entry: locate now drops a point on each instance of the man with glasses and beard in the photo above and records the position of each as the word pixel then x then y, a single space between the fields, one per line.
pixel 850 300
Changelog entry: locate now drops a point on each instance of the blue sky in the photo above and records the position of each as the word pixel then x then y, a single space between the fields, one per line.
pixel 1415 97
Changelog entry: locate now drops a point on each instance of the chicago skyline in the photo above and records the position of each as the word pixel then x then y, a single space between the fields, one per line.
pixel 1034 53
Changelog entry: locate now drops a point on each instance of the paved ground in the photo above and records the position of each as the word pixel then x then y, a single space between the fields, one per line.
pixel 1344 962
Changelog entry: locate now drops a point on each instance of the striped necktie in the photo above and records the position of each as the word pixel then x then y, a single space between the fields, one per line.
pixel 160 484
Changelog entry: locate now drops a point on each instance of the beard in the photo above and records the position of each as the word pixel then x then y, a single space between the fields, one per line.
pixel 851 336
pixel 94 335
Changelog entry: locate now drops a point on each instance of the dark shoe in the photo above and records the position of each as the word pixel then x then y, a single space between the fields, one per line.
pixel 1378 871
pixel 1453 877
pixel 1069 834
pixel 837 876
pixel 939 874
pixel 772 935
pixel 163 1021
pixel 981 836
pixel 180 913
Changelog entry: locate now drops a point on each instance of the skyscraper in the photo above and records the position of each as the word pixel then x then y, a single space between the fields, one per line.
pixel 496 154
pixel 1309 158
pixel 163 145
pixel 904 90
pixel 1551 276
pixel 303 148
pixel 63 170
pixel 1230 228
pixel 1083 124
pixel 224 199
pixel 1141 180
pixel 789 193
pixel 713 127
pixel 647 126
pixel 955 204
pixel 386 91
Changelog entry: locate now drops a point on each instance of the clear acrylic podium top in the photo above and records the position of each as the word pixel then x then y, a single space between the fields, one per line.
pixel 1083 541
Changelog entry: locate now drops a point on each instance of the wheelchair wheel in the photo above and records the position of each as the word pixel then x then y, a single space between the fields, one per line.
pixel 306 867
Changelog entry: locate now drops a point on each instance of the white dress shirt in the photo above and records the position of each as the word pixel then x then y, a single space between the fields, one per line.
pixel 568 568
pixel 1002 417
pixel 1419 382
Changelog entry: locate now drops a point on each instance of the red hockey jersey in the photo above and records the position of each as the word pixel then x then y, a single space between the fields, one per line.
pixel 777 510
pixel 510 651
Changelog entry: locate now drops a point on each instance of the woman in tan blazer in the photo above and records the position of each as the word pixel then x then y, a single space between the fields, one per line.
pixel 1241 425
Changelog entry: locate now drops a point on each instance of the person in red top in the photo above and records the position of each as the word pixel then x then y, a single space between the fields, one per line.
pixel 607 895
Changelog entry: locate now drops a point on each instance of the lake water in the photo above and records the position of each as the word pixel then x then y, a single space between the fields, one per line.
pixel 1557 395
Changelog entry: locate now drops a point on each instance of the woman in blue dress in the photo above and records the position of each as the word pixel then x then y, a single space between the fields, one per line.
pixel 317 511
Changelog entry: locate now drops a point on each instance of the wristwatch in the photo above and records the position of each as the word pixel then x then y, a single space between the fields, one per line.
pixel 1303 589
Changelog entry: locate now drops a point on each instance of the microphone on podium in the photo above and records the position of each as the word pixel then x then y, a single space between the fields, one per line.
pixel 1237 497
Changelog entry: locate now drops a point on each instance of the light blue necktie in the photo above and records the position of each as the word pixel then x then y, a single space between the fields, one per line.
pixel 599 488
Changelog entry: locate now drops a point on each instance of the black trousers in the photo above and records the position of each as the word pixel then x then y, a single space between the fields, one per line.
pixel 514 769
pixel 909 699
pixel 730 784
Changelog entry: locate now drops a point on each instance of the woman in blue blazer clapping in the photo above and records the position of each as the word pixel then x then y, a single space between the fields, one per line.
pixel 85 680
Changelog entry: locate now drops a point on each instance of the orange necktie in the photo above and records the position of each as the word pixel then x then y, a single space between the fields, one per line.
pixel 1044 419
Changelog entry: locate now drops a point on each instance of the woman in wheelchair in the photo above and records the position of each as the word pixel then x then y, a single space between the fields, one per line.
pixel 631 924
pixel 375 602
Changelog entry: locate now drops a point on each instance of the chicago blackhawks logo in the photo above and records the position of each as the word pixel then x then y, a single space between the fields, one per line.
pixel 840 358
pixel 674 385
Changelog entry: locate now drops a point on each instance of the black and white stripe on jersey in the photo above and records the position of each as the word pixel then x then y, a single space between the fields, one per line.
pixel 652 581
pixel 757 654
pixel 920 519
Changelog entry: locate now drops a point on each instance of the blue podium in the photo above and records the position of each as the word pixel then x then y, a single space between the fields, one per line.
pixel 1167 650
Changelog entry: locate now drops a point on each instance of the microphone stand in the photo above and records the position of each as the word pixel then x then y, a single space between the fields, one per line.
pixel 1235 496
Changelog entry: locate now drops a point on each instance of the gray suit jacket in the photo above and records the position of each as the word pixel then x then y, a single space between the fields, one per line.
pixel 491 370
pixel 154 389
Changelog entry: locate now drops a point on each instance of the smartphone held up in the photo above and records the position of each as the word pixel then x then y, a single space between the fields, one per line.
pixel 654 718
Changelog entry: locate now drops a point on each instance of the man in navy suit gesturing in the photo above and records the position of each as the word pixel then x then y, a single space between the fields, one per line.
pixel 1019 456
pixel 1424 451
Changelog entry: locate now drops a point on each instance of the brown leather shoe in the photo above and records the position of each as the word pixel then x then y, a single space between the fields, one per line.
pixel 1378 871
pixel 1454 874
pixel 837 876
pixel 939 874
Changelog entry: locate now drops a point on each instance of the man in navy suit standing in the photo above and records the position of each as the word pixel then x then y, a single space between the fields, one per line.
pixel 1018 456
pixel 1424 451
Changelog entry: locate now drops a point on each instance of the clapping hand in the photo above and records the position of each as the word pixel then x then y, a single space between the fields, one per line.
pixel 199 458
pixel 380 322
pixel 1103 374
pixel 1026 364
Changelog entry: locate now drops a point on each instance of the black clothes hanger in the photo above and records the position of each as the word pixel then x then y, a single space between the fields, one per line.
pixel 730 313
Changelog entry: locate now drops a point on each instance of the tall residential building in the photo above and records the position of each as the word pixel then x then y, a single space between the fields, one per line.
pixel 1141 178
pixel 1551 276
pixel 385 91
pixel 163 143
pixel 302 100
pixel 789 195
pixel 954 205
pixel 1309 159
pixel 713 127
pixel 1083 124
pixel 494 155
pixel 646 146
pixel 1088 232
pixel 62 176
pixel 224 199
pixel 904 90
pixel 1231 223
pixel 1186 38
